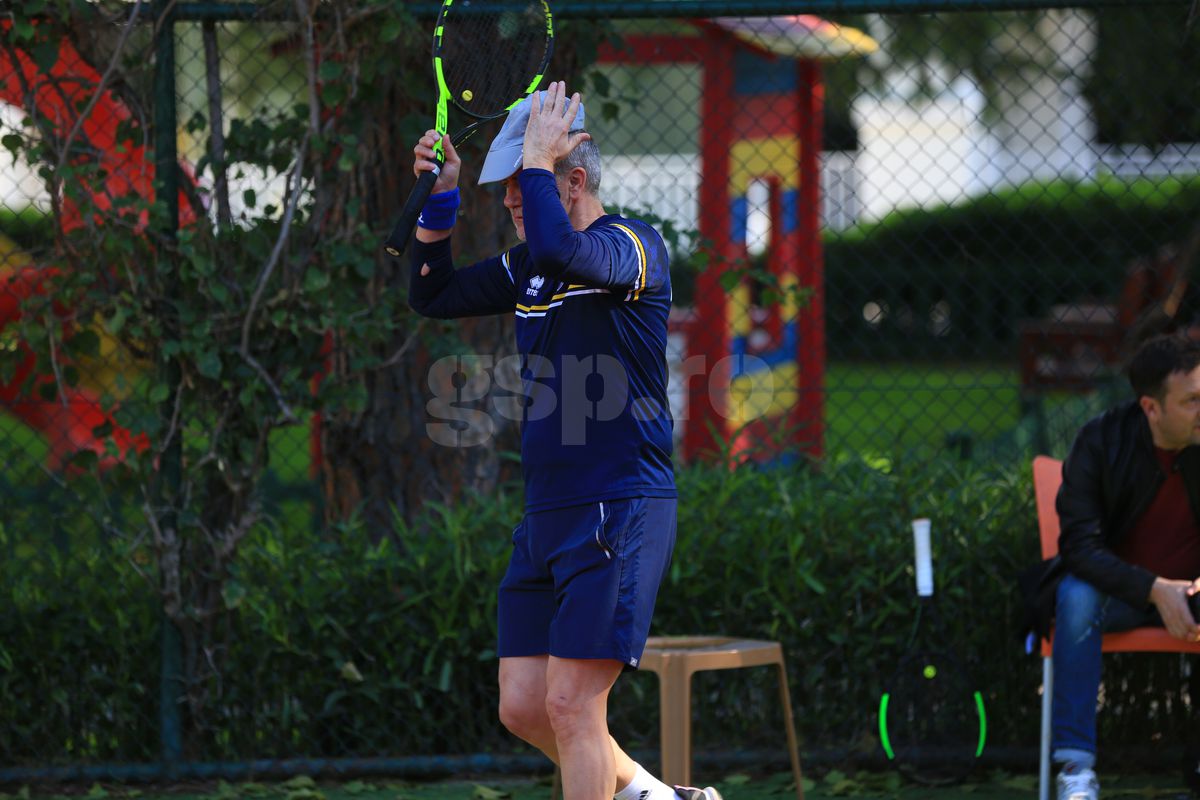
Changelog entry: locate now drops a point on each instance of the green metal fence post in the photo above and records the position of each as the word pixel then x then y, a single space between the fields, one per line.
pixel 167 189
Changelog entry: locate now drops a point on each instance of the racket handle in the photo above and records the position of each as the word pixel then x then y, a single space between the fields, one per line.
pixel 398 240
pixel 924 557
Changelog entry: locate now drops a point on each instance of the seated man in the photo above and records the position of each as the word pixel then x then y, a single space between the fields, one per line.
pixel 1129 508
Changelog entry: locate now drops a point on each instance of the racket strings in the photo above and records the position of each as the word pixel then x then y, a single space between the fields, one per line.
pixel 489 58
pixel 933 722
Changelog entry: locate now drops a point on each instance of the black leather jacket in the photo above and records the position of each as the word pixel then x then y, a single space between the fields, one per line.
pixel 1109 480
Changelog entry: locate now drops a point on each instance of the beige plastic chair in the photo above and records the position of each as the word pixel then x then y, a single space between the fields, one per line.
pixel 675 659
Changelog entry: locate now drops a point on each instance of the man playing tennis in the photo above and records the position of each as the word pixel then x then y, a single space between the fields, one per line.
pixel 591 292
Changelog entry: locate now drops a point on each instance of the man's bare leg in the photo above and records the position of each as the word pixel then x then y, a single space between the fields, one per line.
pixel 523 711
pixel 577 704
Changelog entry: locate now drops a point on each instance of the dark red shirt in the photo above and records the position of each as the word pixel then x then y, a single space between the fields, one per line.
pixel 1166 540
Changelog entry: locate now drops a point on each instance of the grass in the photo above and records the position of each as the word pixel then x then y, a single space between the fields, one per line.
pixel 880 409
pixel 997 785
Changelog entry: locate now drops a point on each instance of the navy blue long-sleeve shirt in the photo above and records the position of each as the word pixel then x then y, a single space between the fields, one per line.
pixel 591 322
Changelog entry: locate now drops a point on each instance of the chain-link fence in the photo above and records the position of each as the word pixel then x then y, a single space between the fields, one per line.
pixel 895 236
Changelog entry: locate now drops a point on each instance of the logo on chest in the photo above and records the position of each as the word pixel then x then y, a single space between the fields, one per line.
pixel 535 285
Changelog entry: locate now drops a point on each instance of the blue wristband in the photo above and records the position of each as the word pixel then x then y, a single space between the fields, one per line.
pixel 440 211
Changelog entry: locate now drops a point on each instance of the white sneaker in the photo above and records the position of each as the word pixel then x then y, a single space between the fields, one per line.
pixel 1078 784
pixel 690 793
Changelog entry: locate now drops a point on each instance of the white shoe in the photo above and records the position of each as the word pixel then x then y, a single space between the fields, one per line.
pixel 1078 784
pixel 690 793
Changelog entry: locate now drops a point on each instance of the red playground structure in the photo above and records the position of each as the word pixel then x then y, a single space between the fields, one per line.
pixel 70 420
pixel 754 377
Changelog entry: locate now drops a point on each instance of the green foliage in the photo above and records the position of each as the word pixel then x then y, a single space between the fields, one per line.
pixel 222 324
pixel 77 638
pixel 359 637
pixel 822 562
pixel 1140 100
pixel 977 44
pixel 956 280
pixel 29 227
pixel 1136 99
pixel 343 645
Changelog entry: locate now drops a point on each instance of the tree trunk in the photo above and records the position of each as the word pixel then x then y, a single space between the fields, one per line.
pixel 384 462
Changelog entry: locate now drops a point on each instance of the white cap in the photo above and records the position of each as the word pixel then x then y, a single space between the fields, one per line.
pixel 507 150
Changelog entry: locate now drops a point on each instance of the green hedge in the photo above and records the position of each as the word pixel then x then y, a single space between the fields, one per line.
pixel 29 227
pixel 992 262
pixel 340 647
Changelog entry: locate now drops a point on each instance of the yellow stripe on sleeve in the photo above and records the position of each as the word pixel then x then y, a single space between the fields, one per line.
pixel 640 283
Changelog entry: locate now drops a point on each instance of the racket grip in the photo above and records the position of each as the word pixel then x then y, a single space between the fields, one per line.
pixel 402 232
pixel 924 557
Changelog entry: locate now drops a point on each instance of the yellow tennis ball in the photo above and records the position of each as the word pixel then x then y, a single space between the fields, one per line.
pixel 468 95
pixel 930 672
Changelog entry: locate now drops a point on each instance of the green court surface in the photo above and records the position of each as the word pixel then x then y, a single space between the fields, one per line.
pixel 996 785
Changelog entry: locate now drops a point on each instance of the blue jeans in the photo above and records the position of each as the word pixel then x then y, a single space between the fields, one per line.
pixel 1083 615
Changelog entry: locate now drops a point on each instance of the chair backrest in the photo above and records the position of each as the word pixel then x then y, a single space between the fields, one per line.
pixel 1047 477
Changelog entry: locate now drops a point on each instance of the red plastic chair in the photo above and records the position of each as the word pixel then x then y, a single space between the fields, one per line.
pixel 1047 477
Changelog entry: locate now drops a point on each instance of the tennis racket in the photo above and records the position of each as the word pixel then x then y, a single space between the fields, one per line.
pixel 932 722
pixel 488 55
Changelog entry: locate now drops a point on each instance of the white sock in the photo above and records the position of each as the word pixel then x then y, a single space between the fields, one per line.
pixel 645 786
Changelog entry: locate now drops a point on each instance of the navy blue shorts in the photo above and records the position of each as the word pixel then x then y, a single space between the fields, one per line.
pixel 582 580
